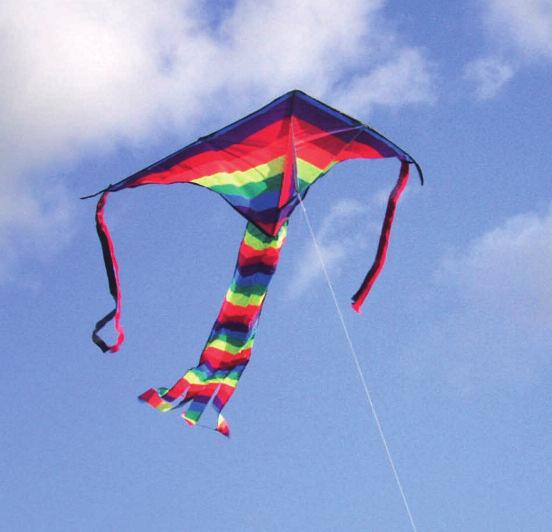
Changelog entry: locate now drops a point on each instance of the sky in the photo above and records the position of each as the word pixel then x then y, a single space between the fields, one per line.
pixel 455 339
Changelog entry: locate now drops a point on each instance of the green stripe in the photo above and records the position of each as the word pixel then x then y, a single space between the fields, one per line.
pixel 248 290
pixel 267 176
pixel 250 190
pixel 225 343
pixel 229 339
pixel 232 379
pixel 193 415
pixel 308 173
pixel 258 240
pixel 199 378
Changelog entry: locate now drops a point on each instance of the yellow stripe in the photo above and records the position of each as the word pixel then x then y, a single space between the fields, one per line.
pixel 241 300
pixel 306 171
pixel 233 382
pixel 256 174
pixel 309 172
pixel 194 379
pixel 256 243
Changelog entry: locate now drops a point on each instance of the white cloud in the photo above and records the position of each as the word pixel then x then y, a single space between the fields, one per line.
pixel 508 272
pixel 525 27
pixel 404 79
pixel 519 33
pixel 39 226
pixel 90 74
pixel 489 75
pixel 496 328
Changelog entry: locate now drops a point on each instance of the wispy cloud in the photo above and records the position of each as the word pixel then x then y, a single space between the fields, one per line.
pixel 32 225
pixel 499 332
pixel 525 27
pixel 508 271
pixel 92 74
pixel 518 34
pixel 488 74
pixel 405 79
pixel 337 242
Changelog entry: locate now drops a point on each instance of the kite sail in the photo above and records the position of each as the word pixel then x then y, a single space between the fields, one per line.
pixel 263 165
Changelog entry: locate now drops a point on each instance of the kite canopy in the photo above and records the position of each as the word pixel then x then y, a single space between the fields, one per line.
pixel 263 165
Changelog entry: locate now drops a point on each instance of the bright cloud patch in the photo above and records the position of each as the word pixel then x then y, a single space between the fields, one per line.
pixel 32 224
pixel 521 31
pixel 508 271
pixel 499 332
pixel 489 75
pixel 525 26
pixel 89 74
pixel 405 79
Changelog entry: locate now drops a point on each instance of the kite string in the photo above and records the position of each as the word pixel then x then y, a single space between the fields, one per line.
pixel 357 364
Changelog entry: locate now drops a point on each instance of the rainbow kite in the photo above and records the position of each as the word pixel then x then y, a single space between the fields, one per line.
pixel 263 165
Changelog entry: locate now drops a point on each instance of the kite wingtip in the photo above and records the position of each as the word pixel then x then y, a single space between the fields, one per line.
pixel 420 173
pixel 92 195
pixel 106 189
pixel 356 307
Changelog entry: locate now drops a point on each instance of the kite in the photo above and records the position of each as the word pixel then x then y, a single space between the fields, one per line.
pixel 263 165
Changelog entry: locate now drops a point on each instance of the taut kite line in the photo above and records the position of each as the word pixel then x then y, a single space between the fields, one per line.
pixel 263 165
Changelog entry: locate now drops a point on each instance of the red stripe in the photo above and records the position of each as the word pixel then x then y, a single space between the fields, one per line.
pixel 223 428
pixel 201 389
pixel 261 147
pixel 151 397
pixel 265 257
pixel 288 178
pixel 312 144
pixel 220 359
pixel 320 148
pixel 177 390
pixel 224 394
pixel 237 314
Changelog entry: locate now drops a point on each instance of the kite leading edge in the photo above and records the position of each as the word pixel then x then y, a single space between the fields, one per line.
pixel 263 165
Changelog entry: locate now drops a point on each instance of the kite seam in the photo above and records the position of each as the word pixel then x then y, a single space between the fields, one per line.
pixel 357 365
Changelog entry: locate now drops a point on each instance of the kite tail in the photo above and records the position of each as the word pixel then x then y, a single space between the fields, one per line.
pixel 228 348
pixel 112 270
pixel 381 253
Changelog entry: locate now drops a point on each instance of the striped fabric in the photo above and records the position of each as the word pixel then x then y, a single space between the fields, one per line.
pixel 262 165
pixel 229 345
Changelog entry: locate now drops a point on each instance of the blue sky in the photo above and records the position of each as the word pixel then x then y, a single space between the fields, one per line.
pixel 455 339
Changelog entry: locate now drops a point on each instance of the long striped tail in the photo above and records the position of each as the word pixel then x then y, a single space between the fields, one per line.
pixel 228 348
